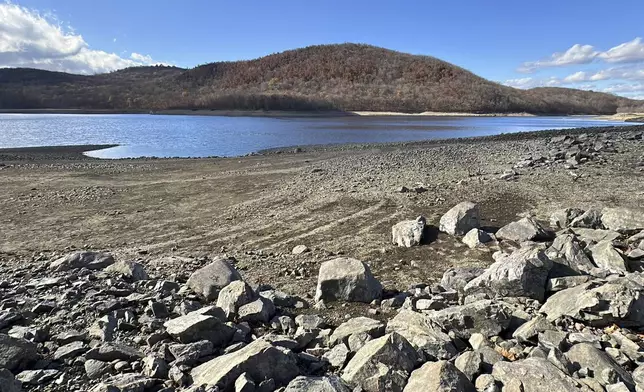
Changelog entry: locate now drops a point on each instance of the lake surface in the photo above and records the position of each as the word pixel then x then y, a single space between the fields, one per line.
pixel 200 136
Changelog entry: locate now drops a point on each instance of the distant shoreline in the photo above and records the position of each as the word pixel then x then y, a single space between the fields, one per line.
pixel 295 114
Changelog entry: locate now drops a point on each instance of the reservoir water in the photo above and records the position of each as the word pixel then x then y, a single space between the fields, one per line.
pixel 141 135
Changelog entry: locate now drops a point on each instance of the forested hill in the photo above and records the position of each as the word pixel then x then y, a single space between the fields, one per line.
pixel 327 77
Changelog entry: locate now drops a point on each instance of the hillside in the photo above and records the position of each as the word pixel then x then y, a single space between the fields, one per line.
pixel 341 77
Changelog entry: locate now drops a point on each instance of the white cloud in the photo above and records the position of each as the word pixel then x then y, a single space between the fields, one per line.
pixel 576 77
pixel 526 83
pixel 624 88
pixel 29 39
pixel 628 52
pixel 577 54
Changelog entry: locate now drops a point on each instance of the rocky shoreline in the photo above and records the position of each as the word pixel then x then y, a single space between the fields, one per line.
pixel 522 271
pixel 561 308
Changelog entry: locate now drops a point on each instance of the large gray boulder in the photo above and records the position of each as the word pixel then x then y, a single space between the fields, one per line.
pixel 89 260
pixel 623 220
pixel 439 376
pixel 476 237
pixel 194 327
pixel 457 278
pixel 607 257
pixel 260 360
pixel 585 355
pixel 591 219
pixel 128 269
pixel 346 279
pixel 209 280
pixel 408 233
pixel 526 229
pixel 460 219
pixel 316 384
pixel 8 383
pixel 16 353
pixel 383 363
pixel 424 335
pixel 533 375
pixel 260 310
pixel 567 247
pixel 524 273
pixel 486 317
pixel 235 295
pixel 599 303
pixel 356 325
pixel 529 330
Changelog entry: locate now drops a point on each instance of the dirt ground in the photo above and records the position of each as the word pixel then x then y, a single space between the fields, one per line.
pixel 337 201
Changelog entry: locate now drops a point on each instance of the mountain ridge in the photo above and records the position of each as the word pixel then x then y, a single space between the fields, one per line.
pixel 347 77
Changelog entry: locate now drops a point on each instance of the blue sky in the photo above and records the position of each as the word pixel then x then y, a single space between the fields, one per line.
pixel 494 39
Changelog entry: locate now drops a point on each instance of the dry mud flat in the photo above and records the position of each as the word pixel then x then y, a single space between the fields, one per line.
pixel 71 321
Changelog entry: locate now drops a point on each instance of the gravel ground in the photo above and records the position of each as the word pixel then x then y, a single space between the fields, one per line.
pixel 335 200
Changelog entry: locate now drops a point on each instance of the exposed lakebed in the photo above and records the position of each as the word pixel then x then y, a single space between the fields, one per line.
pixel 201 136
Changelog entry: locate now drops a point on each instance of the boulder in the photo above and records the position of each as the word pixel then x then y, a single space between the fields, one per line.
pixel 427 338
pixel 528 331
pixel 457 277
pixel 129 382
pixel 566 282
pixel 439 376
pixel 337 356
pixel 245 384
pixel 356 325
pixel 209 280
pixel 299 249
pixel 524 273
pixel 486 317
pixel 386 360
pixel 316 384
pixel 590 236
pixel 70 350
pixel 130 270
pixel 16 353
pixel 585 355
pixel 259 311
pixel 35 377
pixel 408 233
pixel 533 375
pixel 95 369
pixel 236 294
pixel 108 352
pixel 346 279
pixel 561 219
pixel 194 327
pixel 8 383
pixel 607 257
pixel 260 360
pixel 623 220
pixel 462 218
pixel 89 260
pixel 526 229
pixel 591 219
pixel 599 303
pixel 567 247
pixel 469 363
pixel 189 354
pixel 476 237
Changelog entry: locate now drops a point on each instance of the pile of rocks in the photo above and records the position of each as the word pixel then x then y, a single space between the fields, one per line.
pixel 560 309
pixel 571 152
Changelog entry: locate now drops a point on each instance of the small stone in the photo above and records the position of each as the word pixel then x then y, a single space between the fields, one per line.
pixel 300 249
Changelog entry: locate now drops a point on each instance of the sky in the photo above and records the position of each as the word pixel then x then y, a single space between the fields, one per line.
pixel 589 44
